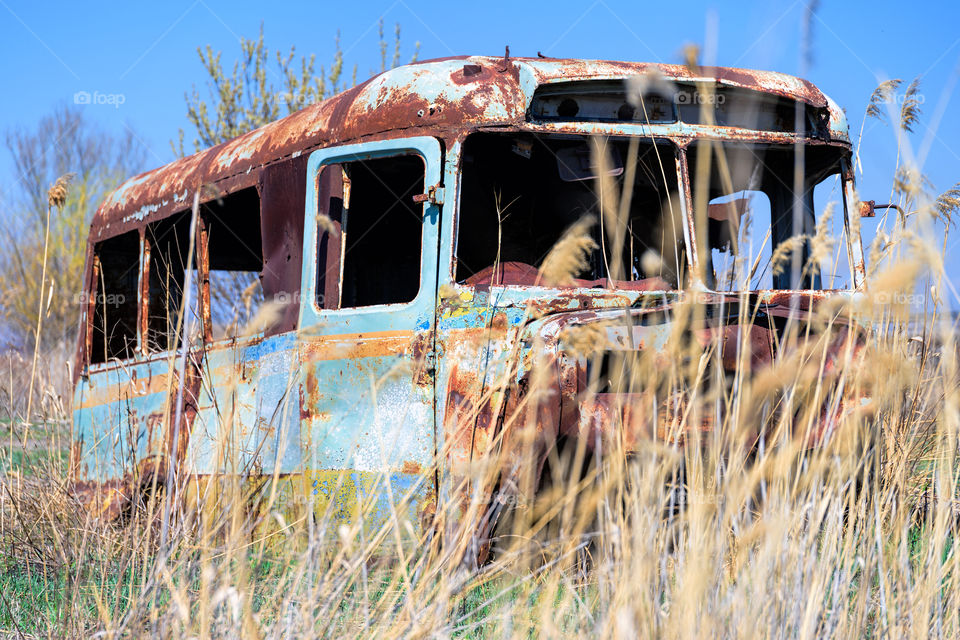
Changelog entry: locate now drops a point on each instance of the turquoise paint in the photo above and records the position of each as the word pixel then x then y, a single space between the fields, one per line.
pixel 368 413
pixel 431 83
pixel 248 413
pixel 114 438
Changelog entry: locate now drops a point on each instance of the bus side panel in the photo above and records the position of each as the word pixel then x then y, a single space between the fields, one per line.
pixel 248 409
pixel 120 425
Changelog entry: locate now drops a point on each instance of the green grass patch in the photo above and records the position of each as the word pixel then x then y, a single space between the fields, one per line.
pixel 31 463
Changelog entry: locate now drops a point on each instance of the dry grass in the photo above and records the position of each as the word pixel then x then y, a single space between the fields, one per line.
pixel 728 535
pixel 787 540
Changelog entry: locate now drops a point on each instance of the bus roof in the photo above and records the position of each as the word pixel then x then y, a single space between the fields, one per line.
pixel 435 97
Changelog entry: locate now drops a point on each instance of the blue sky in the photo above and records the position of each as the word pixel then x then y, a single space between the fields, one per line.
pixel 145 53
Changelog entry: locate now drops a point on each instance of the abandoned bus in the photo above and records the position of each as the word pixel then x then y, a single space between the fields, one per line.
pixel 335 300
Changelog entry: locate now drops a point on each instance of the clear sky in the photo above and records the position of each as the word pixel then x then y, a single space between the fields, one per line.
pixel 144 55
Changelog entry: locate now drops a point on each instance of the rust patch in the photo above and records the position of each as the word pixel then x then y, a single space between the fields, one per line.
pixel 412 468
pixel 356 345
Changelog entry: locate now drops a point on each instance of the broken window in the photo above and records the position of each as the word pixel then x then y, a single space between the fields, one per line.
pixel 168 244
pixel 520 193
pixel 828 202
pixel 114 305
pixel 377 234
pixel 603 101
pixel 761 232
pixel 656 101
pixel 738 228
pixel 745 108
pixel 235 262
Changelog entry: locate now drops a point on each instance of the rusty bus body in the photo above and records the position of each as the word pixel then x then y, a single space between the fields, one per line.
pixel 383 340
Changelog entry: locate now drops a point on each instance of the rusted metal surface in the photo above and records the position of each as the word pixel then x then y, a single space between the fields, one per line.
pixel 484 387
pixel 282 197
pixel 400 401
pixel 437 97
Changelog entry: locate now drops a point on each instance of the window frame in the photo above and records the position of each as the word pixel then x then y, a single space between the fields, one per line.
pixel 429 151
pixel 202 259
pixel 148 253
pixel 678 166
pixel 92 293
pixel 853 247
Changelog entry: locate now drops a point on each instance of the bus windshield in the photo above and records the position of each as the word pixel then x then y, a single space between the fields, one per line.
pixel 521 192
